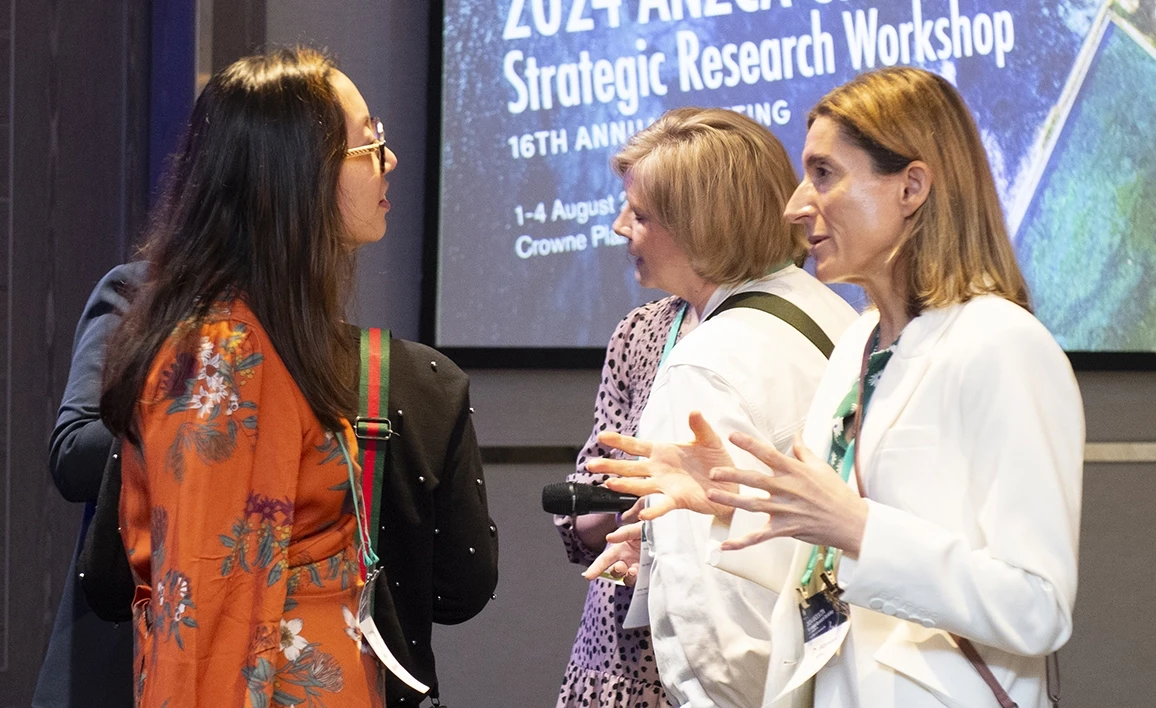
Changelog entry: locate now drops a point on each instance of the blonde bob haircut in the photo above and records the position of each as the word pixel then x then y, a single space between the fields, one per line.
pixel 718 182
pixel 956 245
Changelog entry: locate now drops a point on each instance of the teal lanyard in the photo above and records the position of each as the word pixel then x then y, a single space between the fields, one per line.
pixel 829 558
pixel 856 400
pixel 368 557
pixel 672 336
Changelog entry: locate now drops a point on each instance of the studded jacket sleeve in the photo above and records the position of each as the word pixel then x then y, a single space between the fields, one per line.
pixel 439 547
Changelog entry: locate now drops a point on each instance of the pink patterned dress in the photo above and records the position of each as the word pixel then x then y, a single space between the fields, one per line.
pixel 609 665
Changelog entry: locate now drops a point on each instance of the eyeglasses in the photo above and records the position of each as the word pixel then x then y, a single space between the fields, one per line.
pixel 377 146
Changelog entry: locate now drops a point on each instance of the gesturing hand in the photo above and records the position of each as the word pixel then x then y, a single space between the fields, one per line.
pixel 679 472
pixel 808 500
pixel 621 557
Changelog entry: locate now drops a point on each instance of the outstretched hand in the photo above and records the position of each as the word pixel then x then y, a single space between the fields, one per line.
pixel 679 472
pixel 807 501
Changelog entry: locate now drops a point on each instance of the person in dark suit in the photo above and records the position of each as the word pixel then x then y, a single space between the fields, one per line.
pixel 440 548
pixel 89 661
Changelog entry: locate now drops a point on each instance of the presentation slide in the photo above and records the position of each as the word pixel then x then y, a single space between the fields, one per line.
pixel 539 94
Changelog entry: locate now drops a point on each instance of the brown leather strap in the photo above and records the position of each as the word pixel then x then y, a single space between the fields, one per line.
pixel 985 673
pixel 1052 674
pixel 867 348
pixel 1053 678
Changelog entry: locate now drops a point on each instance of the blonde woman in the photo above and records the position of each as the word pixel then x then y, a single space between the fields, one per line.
pixel 706 190
pixel 941 526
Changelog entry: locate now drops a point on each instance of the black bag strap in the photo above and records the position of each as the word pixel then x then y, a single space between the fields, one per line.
pixel 374 431
pixel 786 311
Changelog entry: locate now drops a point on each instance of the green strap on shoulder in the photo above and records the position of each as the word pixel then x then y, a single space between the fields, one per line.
pixel 372 426
pixel 786 311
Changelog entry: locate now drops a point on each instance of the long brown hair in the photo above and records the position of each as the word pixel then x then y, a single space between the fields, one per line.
pixel 957 245
pixel 249 209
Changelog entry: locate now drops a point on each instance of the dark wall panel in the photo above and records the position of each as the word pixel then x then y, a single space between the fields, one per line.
pixel 382 47
pixel 75 150
pixel 238 30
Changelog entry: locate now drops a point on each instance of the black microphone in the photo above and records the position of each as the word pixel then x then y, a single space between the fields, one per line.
pixel 574 499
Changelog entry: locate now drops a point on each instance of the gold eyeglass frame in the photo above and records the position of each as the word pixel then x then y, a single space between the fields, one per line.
pixel 376 146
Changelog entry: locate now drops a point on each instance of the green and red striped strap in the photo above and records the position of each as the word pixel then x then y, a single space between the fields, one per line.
pixel 372 426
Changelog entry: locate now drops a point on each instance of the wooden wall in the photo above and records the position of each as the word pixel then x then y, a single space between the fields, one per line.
pixel 73 195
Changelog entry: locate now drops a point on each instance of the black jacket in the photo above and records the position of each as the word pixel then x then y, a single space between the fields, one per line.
pixel 439 548
pixel 433 512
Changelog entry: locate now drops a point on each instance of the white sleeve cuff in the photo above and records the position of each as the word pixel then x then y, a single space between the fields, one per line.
pixel 882 577
pixel 764 563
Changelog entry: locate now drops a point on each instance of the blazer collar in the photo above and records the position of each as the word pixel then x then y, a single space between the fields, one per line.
pixel 901 378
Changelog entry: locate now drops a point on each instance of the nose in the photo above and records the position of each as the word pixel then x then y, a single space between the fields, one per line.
pixel 390 162
pixel 801 205
pixel 623 221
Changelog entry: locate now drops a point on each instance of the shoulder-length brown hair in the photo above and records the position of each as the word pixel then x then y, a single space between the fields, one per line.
pixel 956 246
pixel 249 207
pixel 718 181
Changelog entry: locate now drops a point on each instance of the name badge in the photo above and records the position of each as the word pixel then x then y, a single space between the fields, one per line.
pixel 370 635
pixel 825 625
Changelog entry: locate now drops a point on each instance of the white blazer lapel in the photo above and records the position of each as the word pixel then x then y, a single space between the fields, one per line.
pixel 838 379
pixel 900 380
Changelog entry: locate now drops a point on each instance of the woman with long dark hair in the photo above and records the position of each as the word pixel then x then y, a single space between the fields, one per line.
pixel 232 380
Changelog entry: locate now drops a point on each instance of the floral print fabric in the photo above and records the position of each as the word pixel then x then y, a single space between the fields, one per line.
pixel 237 516
pixel 842 430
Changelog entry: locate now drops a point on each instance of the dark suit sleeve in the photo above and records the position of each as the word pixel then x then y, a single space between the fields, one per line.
pixel 80 442
pixel 465 570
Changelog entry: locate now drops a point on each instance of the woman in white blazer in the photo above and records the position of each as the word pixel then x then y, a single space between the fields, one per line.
pixel 958 523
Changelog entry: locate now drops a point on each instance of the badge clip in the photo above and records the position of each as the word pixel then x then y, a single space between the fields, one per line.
pixel 829 585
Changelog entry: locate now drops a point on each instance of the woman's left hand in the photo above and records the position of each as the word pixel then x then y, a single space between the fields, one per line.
pixel 620 560
pixel 808 499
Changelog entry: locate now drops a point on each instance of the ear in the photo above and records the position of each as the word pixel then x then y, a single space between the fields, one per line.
pixel 916 186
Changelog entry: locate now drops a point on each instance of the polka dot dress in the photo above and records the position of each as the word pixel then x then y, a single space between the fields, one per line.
pixel 609 665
